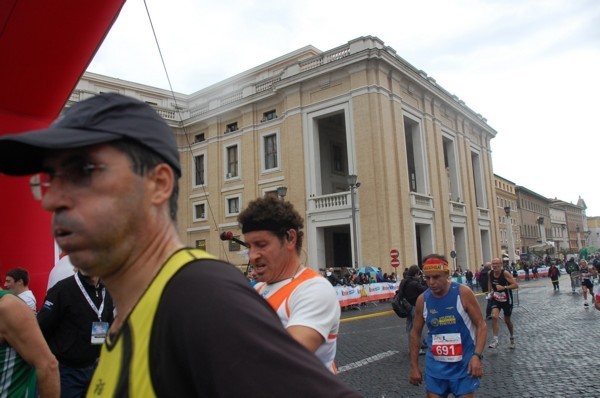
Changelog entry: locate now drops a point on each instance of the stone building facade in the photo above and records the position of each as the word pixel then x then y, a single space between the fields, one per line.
pixel 576 222
pixel 506 200
pixel 309 119
pixel 535 218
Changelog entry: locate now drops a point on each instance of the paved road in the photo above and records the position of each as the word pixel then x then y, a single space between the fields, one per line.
pixel 557 355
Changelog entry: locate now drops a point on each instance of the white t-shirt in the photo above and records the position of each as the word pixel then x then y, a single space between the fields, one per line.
pixel 313 304
pixel 29 299
pixel 63 269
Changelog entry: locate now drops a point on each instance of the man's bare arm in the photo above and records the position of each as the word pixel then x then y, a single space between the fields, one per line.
pixel 19 328
pixel 415 375
pixel 308 337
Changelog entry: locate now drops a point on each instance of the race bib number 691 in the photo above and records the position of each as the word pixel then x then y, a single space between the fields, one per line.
pixel 446 347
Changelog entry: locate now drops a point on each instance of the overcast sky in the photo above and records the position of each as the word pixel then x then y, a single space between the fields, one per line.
pixel 531 67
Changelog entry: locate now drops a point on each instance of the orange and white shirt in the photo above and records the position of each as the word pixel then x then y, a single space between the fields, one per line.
pixel 309 300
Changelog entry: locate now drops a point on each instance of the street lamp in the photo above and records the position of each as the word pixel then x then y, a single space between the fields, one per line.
pixel 509 232
pixel 281 192
pixel 353 183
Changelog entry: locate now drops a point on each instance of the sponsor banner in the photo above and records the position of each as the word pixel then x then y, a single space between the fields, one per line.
pixel 352 295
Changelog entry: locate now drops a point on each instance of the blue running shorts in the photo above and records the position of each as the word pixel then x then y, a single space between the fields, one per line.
pixel 456 387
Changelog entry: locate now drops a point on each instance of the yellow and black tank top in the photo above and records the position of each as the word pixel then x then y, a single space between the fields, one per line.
pixel 124 368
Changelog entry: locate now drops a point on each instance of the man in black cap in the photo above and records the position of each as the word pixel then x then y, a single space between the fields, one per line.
pixel 108 172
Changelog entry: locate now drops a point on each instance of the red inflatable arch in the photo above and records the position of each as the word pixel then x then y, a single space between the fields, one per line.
pixel 45 46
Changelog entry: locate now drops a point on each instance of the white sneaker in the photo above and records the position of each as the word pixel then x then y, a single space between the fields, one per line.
pixel 494 344
pixel 585 304
pixel 512 344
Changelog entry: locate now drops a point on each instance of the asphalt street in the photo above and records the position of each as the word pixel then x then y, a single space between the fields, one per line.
pixel 557 354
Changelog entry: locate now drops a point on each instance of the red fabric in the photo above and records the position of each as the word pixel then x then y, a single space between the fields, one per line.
pixel 45 47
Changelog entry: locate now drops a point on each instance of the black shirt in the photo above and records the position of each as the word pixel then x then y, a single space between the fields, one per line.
pixel 413 287
pixel 213 335
pixel 66 320
pixel 484 279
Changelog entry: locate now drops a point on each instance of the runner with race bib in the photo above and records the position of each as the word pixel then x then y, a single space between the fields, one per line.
pixel 587 272
pixel 501 284
pixel 456 337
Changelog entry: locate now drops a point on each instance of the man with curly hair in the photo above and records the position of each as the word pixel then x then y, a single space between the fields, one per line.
pixel 305 301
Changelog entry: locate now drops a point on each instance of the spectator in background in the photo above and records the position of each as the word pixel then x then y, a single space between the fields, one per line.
pixel 553 274
pixel 332 277
pixel 17 281
pixel 354 278
pixel 469 278
pixel 73 310
pixel 61 270
pixel 458 275
pixel 412 289
pixel 364 279
pixel 484 278
pixel 250 276
pixel 371 277
pixel 379 275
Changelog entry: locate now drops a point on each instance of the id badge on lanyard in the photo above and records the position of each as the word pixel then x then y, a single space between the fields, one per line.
pixel 99 329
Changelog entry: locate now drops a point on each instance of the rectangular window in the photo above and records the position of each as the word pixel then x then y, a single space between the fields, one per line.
pixel 232 161
pixel 270 143
pixel 415 156
pixel 272 193
pixel 270 115
pixel 199 137
pixel 201 244
pixel 231 127
pixel 233 205
pixel 234 246
pixel 199 211
pixel 199 170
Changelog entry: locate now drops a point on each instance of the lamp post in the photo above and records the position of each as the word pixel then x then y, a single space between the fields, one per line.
pixel 509 233
pixel 353 183
pixel 281 192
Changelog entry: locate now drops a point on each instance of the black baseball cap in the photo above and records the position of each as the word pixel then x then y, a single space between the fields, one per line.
pixel 103 118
